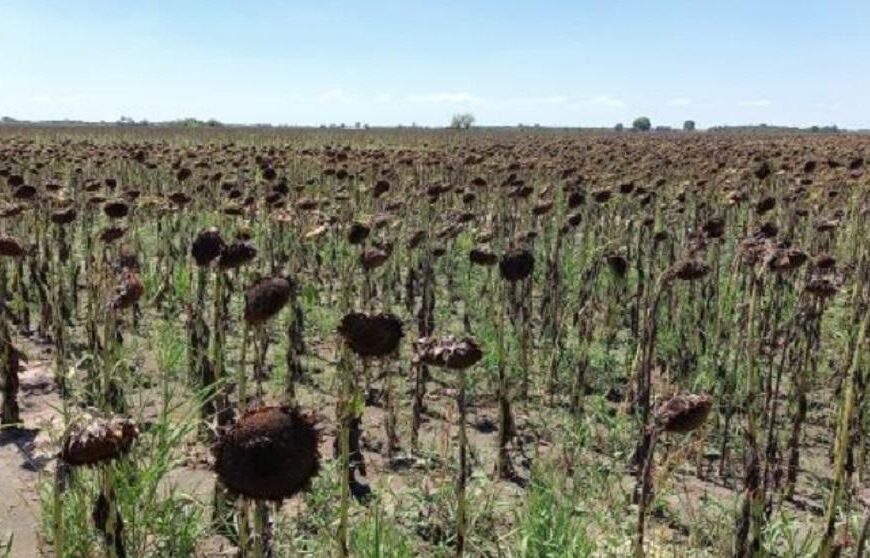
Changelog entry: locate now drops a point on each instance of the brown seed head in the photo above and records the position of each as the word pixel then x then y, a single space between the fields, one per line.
pixel 116 209
pixel 94 440
pixel 617 264
pixel 448 352
pixel 371 335
pixel 207 246
pixel 691 270
pixel 127 292
pixel 24 192
pixel 63 216
pixel 358 232
pixel 372 258
pixel 516 265
pixel 479 256
pixel 237 254
pixel 270 454
pixel 265 298
pixel 714 228
pixel 112 233
pixel 822 286
pixel 684 413
pixel 11 247
pixel 782 259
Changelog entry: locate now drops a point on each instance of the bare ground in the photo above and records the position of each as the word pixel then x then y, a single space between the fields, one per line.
pixel 27 453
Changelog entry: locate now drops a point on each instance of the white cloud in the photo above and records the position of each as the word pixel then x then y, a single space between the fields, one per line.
pixel 680 102
pixel 445 97
pixel 828 106
pixel 383 98
pixel 756 103
pixel 607 101
pixel 545 100
pixel 334 96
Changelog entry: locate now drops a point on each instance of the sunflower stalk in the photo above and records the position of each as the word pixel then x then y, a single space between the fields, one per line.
pixel 847 410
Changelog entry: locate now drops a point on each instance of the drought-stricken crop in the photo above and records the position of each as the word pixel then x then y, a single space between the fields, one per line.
pixel 406 343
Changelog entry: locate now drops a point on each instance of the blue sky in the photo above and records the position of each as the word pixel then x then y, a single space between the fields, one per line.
pixel 389 62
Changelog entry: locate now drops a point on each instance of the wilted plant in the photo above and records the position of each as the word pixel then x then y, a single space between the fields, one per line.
pixel 9 355
pixel 367 336
pixel 515 266
pixel 269 455
pixel 679 414
pixel 454 354
pixel 719 262
pixel 95 441
pixel 205 249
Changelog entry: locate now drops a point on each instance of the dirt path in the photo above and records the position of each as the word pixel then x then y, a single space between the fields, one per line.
pixel 25 454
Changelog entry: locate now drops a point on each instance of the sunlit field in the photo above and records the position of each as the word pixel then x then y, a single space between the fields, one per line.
pixel 401 343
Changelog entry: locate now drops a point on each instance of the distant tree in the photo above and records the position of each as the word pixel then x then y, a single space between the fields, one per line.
pixel 689 126
pixel 641 124
pixel 191 122
pixel 831 129
pixel 357 125
pixel 619 127
pixel 127 121
pixel 8 120
pixel 462 121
